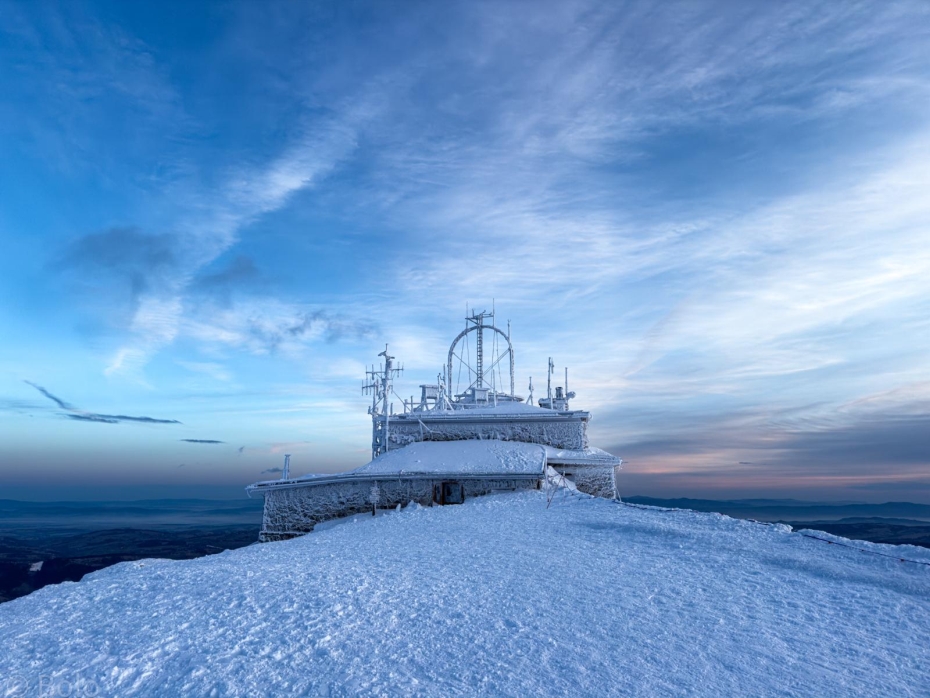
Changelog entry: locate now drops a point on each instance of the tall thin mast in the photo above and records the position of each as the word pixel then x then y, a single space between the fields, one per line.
pixel 549 381
pixel 379 385
pixel 510 349
pixel 479 383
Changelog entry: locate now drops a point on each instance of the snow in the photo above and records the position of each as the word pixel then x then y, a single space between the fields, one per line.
pixel 591 455
pixel 505 408
pixel 513 408
pixel 473 457
pixel 498 596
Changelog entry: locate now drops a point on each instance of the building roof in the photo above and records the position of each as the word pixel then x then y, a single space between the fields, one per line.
pixel 471 457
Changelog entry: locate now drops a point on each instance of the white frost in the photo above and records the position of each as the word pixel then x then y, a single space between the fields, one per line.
pixel 473 457
pixel 498 596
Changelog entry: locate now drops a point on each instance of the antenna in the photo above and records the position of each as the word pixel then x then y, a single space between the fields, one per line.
pixel 484 377
pixel 529 400
pixel 286 473
pixel 510 349
pixel 379 385
pixel 549 381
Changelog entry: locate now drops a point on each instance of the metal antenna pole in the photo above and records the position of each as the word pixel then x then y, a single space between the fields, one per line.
pixel 480 381
pixel 286 473
pixel 380 386
pixel 549 381
pixel 510 349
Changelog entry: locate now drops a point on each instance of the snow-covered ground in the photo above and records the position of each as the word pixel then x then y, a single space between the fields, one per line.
pixel 499 596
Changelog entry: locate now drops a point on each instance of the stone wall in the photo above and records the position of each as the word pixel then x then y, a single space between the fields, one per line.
pixel 294 511
pixel 599 481
pixel 570 435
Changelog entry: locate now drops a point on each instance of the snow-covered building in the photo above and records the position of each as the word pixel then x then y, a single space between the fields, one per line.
pixel 468 434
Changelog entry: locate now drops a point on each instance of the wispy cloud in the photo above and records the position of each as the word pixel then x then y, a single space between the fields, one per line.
pixel 57 400
pixel 211 219
pixel 84 416
pixel 268 325
pixel 247 195
pixel 530 197
pixel 203 441
pixel 220 285
pixel 212 369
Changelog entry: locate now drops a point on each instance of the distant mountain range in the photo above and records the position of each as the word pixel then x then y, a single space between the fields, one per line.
pixel 45 543
pixel 794 510
pixel 146 513
pixel 895 523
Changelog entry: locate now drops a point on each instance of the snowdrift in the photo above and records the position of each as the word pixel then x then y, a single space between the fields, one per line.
pixel 498 596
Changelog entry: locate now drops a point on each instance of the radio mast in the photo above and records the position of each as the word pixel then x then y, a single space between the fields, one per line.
pixel 379 387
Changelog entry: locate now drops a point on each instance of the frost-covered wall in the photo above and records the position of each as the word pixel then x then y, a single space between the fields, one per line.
pixel 294 511
pixel 599 481
pixel 568 434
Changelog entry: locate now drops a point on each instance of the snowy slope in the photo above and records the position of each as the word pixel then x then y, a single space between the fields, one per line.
pixel 499 596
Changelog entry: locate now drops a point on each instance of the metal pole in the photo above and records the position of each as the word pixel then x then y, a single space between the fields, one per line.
pixel 549 382
pixel 510 349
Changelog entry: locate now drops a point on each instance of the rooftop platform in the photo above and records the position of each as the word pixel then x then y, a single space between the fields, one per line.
pixel 489 457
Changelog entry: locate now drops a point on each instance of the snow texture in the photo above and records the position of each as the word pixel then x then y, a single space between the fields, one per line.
pixel 451 457
pixel 591 454
pixel 542 427
pixel 502 408
pixel 294 511
pixel 498 596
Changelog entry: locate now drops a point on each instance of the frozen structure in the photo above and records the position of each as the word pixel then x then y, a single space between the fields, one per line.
pixel 468 434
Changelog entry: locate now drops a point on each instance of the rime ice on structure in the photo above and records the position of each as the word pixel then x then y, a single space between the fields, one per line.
pixel 468 434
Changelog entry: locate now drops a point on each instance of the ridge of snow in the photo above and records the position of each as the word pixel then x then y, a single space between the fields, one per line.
pixel 498 596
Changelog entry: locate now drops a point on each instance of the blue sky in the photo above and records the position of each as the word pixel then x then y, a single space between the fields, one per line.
pixel 213 215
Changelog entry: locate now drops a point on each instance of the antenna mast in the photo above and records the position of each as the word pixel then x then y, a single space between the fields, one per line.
pixel 286 473
pixel 549 381
pixel 379 387
pixel 509 344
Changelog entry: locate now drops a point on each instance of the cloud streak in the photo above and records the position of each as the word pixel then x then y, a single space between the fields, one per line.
pixel 217 217
pixel 84 416
pixel 57 400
